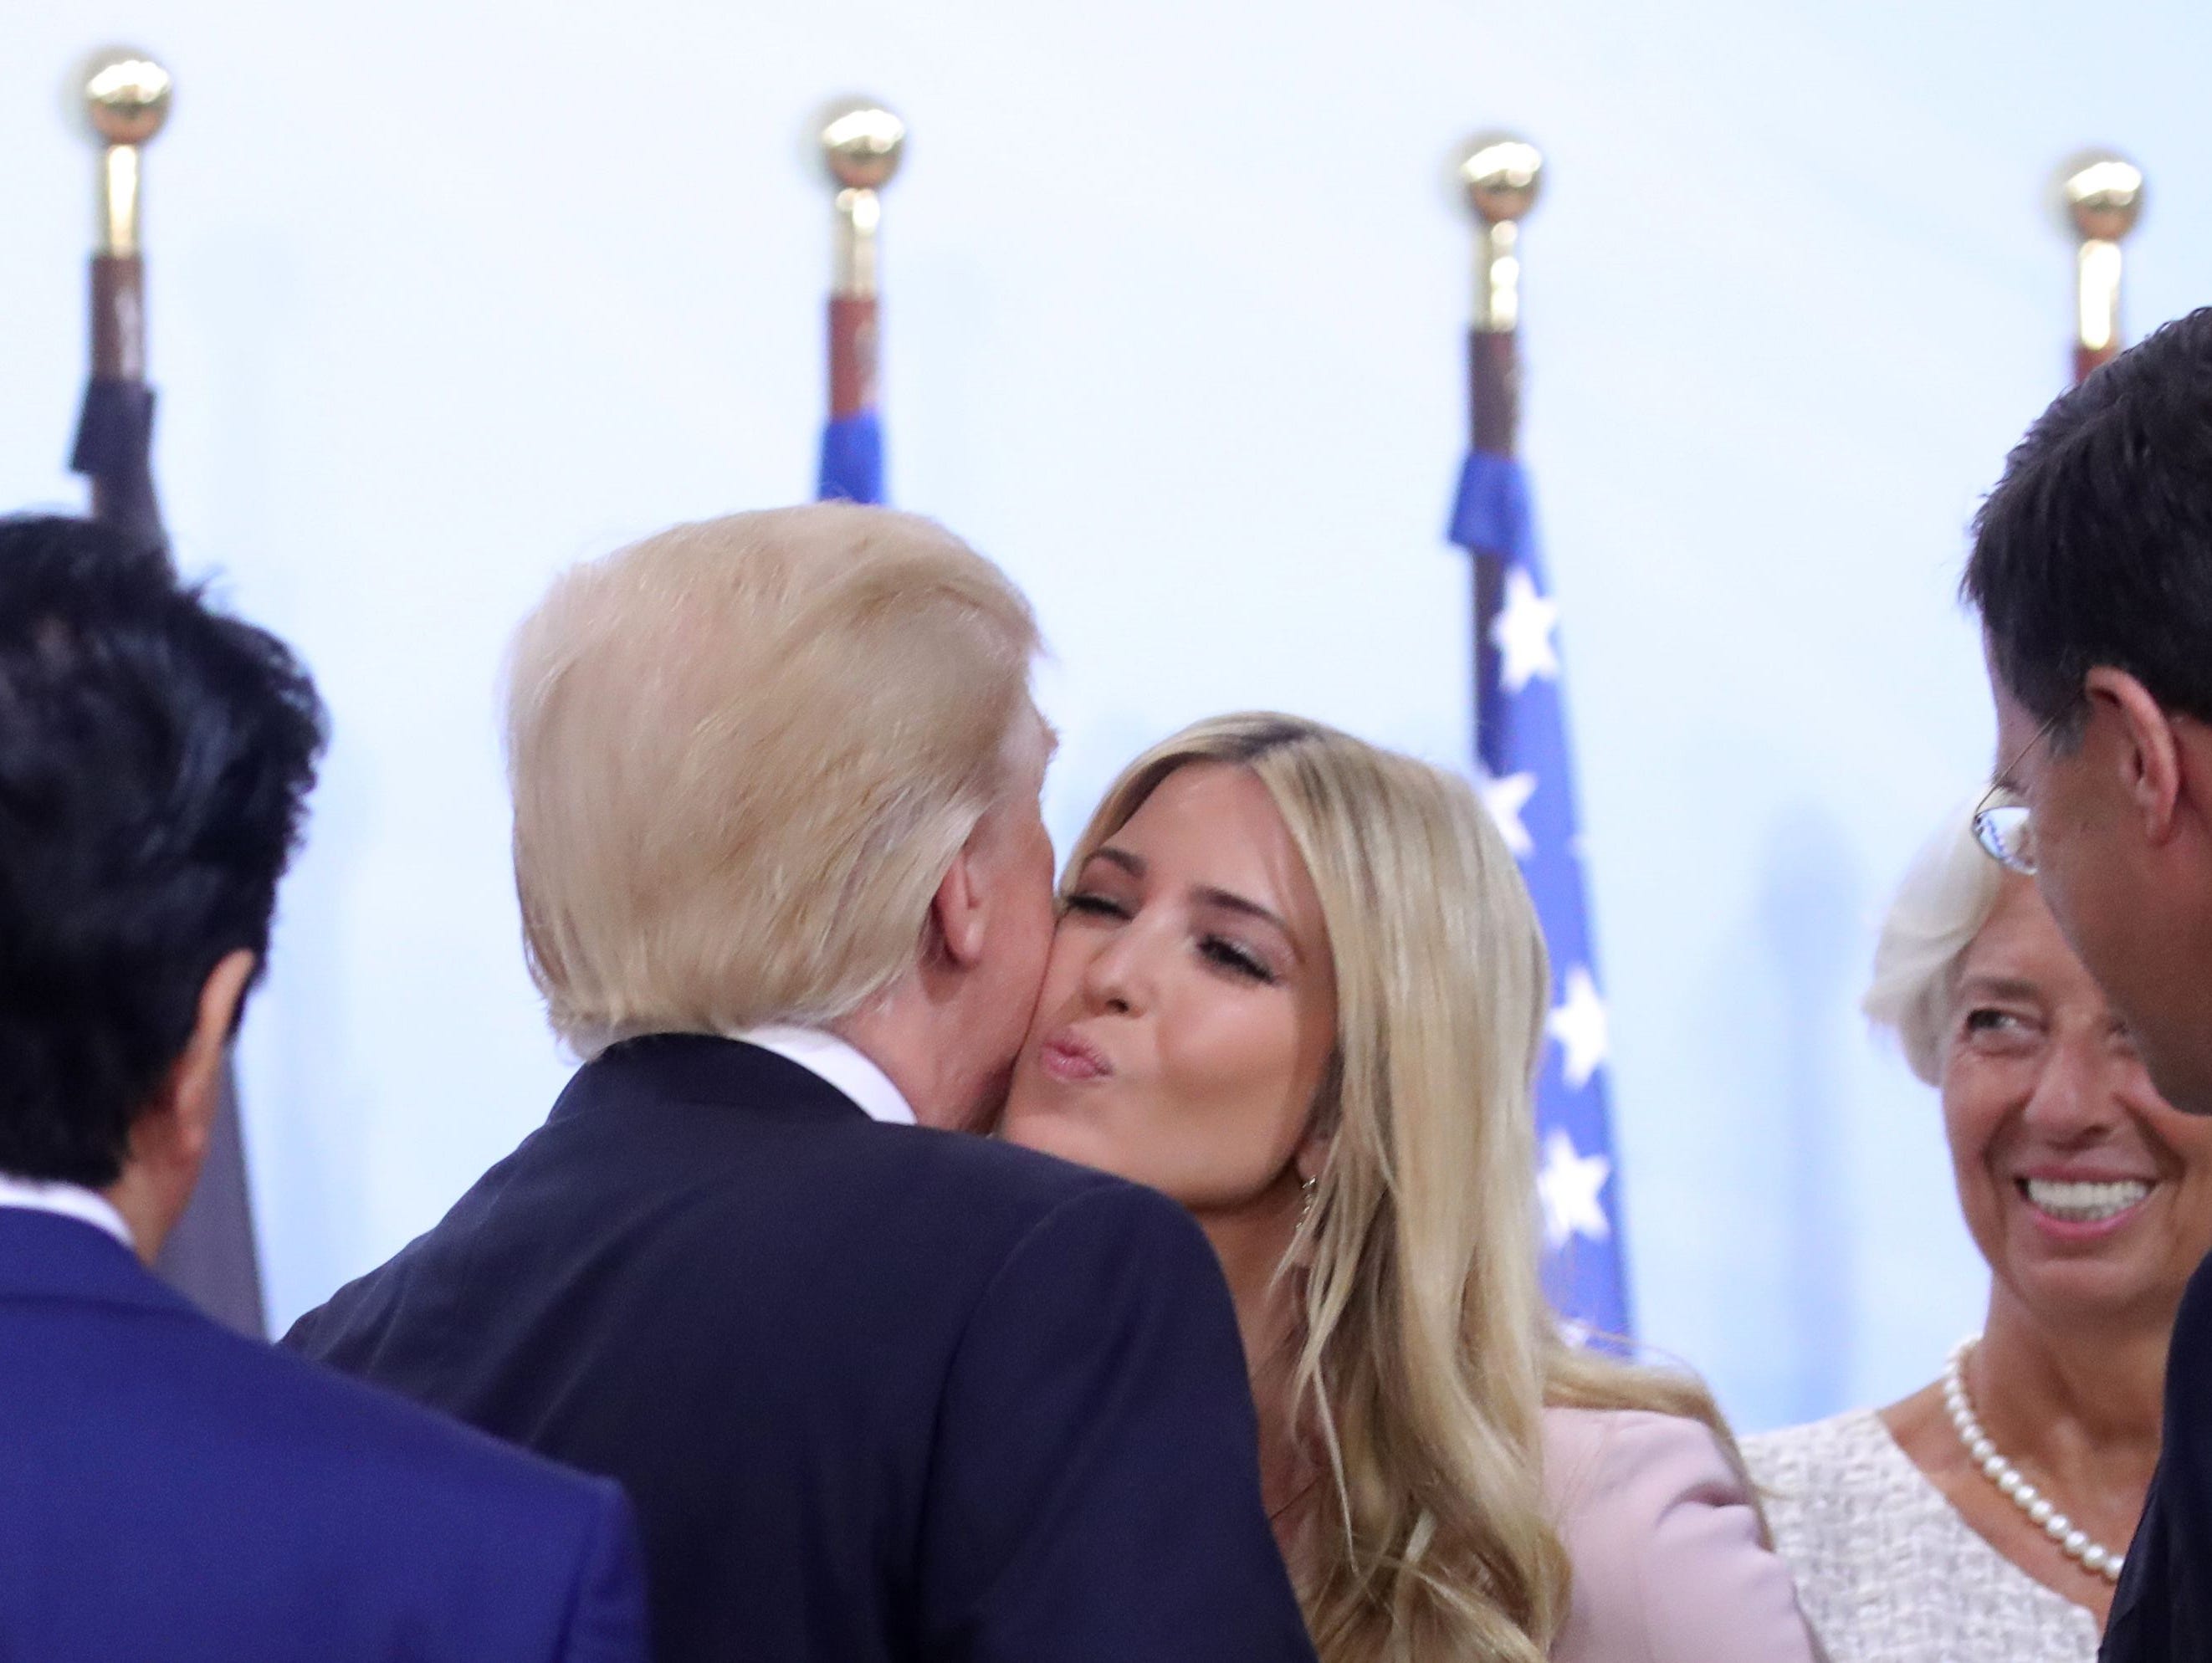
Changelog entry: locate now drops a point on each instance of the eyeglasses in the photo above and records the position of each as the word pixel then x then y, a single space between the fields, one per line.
pixel 2002 823
pixel 2006 834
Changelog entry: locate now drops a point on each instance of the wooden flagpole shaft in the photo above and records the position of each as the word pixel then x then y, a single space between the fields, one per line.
pixel 852 355
pixel 119 318
pixel 1500 175
pixel 1494 364
pixel 1493 388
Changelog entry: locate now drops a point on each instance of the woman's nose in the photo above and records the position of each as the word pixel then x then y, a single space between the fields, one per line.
pixel 1118 979
pixel 2073 1100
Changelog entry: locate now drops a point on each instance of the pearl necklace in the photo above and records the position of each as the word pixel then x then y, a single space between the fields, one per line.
pixel 2072 1541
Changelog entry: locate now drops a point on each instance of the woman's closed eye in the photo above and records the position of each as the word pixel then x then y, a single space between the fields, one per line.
pixel 1091 904
pixel 1237 960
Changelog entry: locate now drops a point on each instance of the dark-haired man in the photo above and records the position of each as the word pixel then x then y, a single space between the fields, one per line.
pixel 2093 571
pixel 169 1489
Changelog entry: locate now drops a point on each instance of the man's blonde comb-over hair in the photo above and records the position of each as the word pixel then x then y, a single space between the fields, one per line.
pixel 743 753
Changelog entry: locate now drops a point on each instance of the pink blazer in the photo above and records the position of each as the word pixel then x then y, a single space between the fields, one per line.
pixel 1667 1565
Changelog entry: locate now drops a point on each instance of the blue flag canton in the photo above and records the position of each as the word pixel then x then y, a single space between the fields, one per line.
pixel 1527 778
pixel 852 460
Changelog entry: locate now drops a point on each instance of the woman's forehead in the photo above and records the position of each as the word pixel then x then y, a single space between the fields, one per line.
pixel 2020 942
pixel 1215 823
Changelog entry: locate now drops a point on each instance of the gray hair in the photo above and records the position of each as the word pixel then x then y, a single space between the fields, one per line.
pixel 1947 895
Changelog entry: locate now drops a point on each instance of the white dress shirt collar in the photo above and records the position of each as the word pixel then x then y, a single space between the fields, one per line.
pixel 831 1059
pixel 66 1201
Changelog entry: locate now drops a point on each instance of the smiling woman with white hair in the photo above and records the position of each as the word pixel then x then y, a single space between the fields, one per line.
pixel 1984 1516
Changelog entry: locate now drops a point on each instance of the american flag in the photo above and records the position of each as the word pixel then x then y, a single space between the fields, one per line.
pixel 1527 778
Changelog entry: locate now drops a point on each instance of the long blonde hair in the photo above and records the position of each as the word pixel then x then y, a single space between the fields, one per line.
pixel 1426 1353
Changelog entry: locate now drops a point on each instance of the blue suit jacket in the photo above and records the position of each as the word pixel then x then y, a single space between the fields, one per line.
pixel 169 1490
pixel 877 1393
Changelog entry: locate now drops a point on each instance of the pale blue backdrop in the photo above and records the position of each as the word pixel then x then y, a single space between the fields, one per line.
pixel 445 296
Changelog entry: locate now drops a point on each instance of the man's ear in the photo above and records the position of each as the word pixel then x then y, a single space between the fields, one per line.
pixel 2148 754
pixel 174 1131
pixel 956 911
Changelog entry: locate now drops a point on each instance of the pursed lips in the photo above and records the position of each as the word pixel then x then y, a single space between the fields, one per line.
pixel 1068 1057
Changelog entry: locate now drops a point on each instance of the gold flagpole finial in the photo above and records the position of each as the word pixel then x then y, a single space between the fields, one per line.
pixel 862 143
pixel 2100 193
pixel 126 97
pixel 1502 174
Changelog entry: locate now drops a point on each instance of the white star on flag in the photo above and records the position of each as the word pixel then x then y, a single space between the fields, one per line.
pixel 1569 1184
pixel 1522 632
pixel 1506 798
pixel 1578 1022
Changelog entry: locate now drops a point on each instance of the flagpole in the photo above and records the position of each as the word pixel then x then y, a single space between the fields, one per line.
pixel 862 144
pixel 1501 174
pixel 1524 766
pixel 210 1255
pixel 2101 194
pixel 126 98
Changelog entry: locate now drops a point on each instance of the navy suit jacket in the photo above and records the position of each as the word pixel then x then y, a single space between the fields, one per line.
pixel 2162 1609
pixel 169 1490
pixel 877 1391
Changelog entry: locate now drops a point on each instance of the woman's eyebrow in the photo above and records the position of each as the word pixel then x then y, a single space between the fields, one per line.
pixel 1231 900
pixel 1206 894
pixel 1132 864
pixel 2000 987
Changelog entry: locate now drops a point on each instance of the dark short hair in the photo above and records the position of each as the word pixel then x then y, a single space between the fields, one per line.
pixel 156 757
pixel 2096 546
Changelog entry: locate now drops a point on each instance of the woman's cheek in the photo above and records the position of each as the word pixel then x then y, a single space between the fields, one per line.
pixel 1969 1127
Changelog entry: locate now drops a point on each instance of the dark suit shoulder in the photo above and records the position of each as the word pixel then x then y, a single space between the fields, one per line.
pixel 679 1176
pixel 956 1206
pixel 709 1126
pixel 371 1439
pixel 843 1368
pixel 1018 1185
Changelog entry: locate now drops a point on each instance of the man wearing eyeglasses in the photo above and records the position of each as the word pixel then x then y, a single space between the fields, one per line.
pixel 2091 570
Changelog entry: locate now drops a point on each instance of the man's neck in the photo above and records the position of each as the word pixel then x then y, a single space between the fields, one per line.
pixel 149 1220
pixel 893 1034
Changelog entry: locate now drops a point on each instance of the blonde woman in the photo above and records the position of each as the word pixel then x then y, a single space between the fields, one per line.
pixel 1298 987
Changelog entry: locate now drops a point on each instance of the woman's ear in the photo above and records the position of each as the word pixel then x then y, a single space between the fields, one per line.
pixel 1312 1157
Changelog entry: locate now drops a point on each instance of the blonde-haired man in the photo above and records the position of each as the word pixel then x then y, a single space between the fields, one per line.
pixel 877 1391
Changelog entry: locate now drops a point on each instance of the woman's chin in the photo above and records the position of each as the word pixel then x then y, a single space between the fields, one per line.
pixel 2087 1277
pixel 1054 1131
